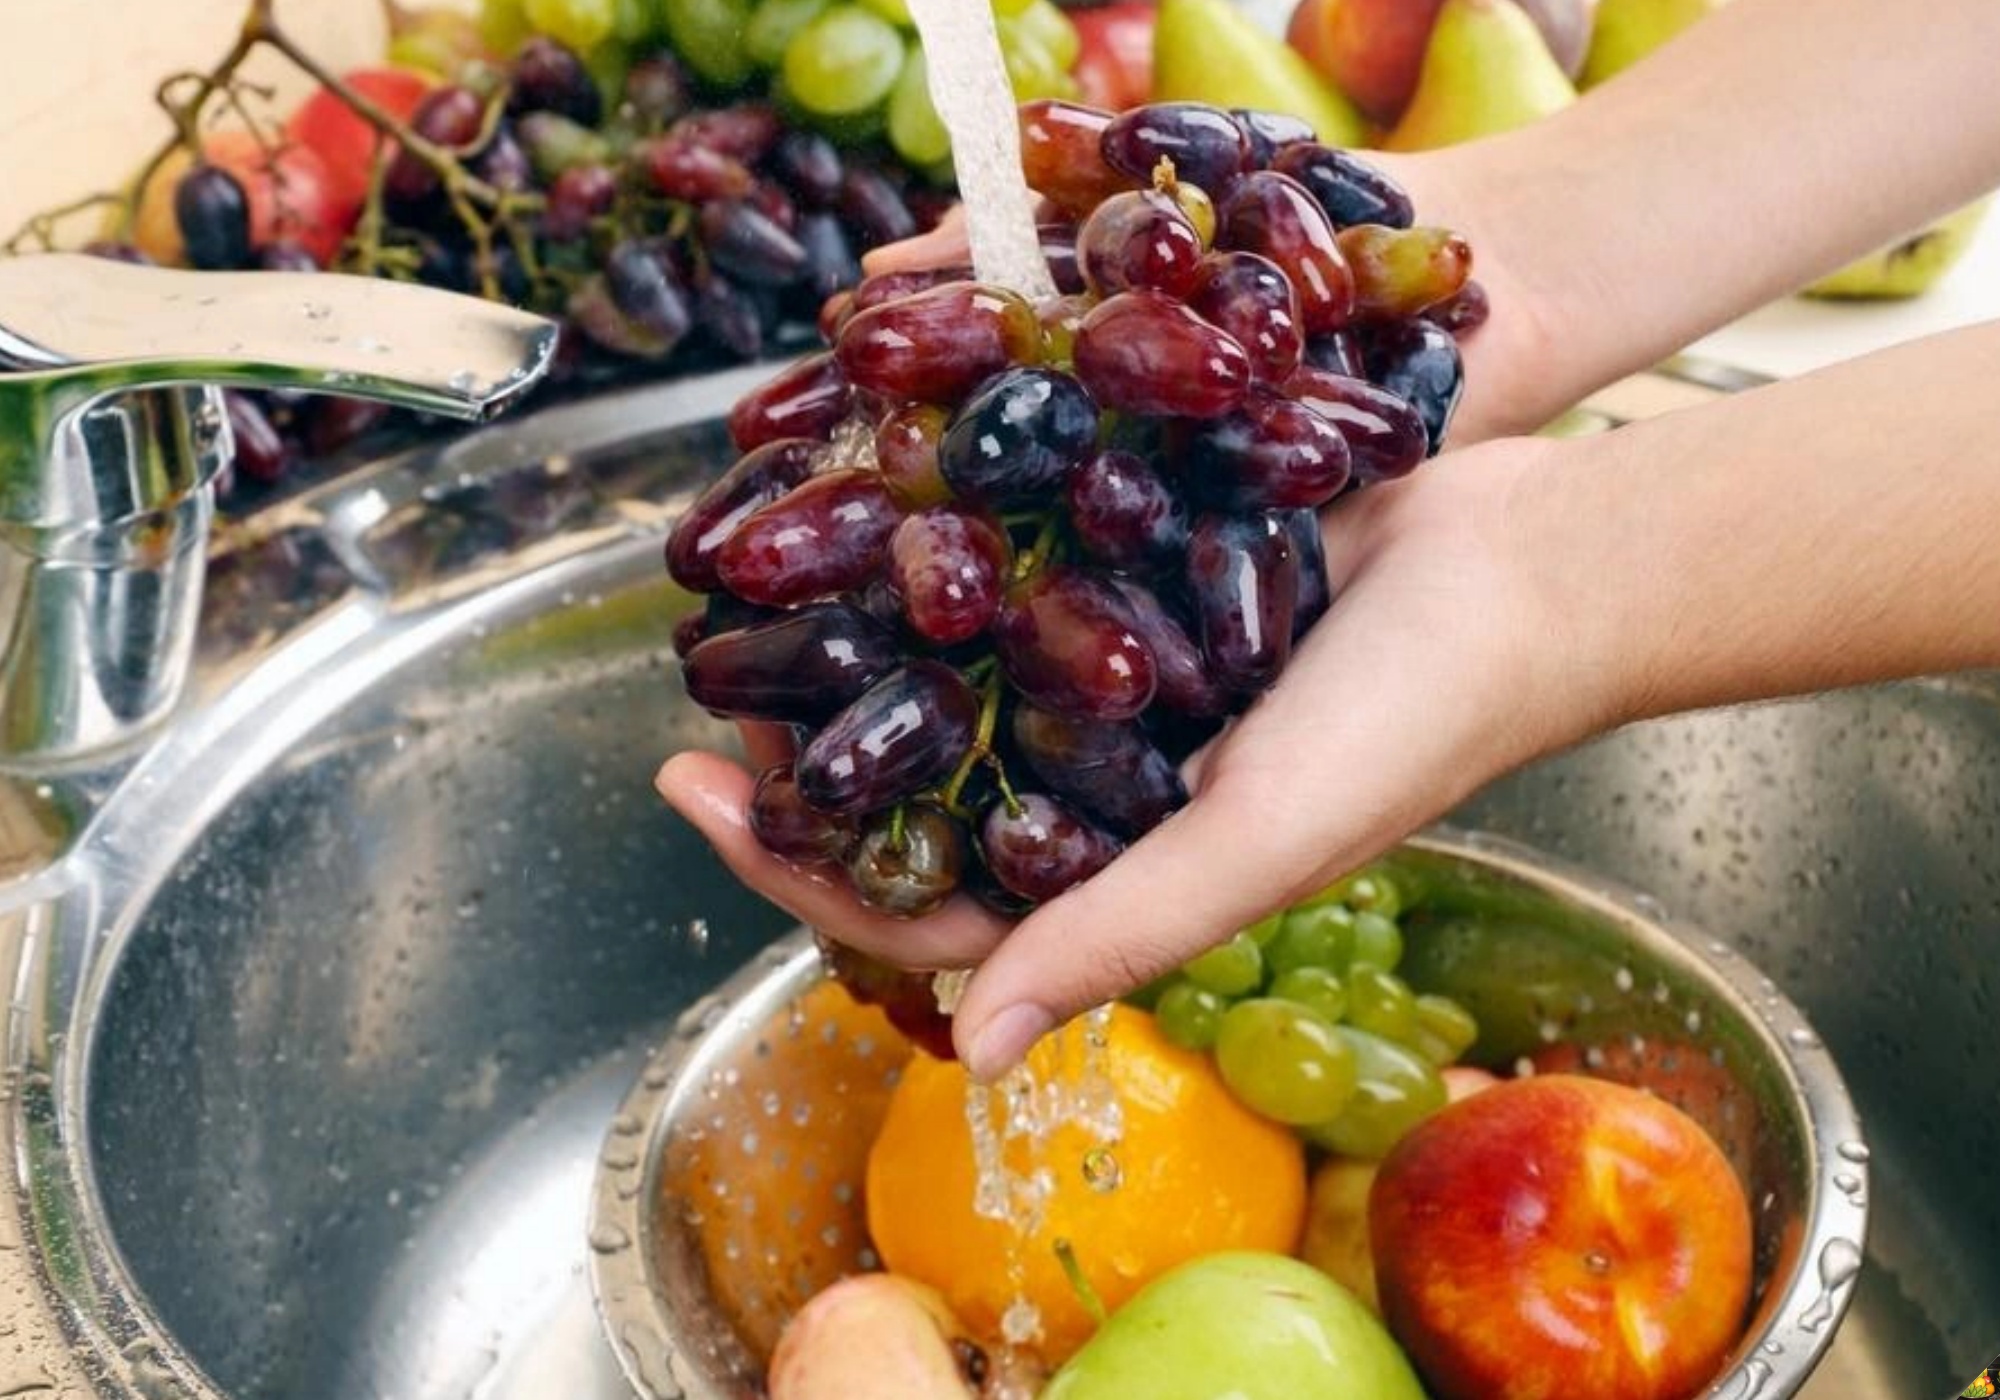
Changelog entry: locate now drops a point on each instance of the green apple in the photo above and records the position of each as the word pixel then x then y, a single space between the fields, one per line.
pixel 1909 266
pixel 1627 30
pixel 1239 1326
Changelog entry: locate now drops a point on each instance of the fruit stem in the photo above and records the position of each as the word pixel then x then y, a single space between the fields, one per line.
pixel 1037 554
pixel 1085 1294
pixel 1165 178
pixel 898 828
pixel 982 743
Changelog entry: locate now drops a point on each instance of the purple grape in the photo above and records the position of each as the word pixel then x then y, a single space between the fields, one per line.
pixel 810 166
pixel 1302 529
pixel 904 734
pixel 1271 132
pixel 777 206
pixel 937 345
pixel 746 243
pixel 1139 239
pixel 947 565
pixel 262 453
pixel 1018 437
pixel 504 164
pixel 680 169
pixel 452 116
pixel 1250 298
pixel 285 255
pixel 1037 848
pixel 746 131
pixel 1350 190
pixel 1183 684
pixel 1418 362
pixel 1244 580
pixel 826 535
pixel 578 196
pixel 214 218
pixel 644 287
pixel 906 451
pixel 786 827
pixel 657 89
pixel 873 208
pixel 1059 251
pixel 1067 643
pixel 1274 215
pixel 1270 454
pixel 800 667
pixel 808 399
pixel 1338 352
pixel 759 477
pixel 830 262
pixel 550 78
pixel 1124 514
pixel 1386 436
pixel 1463 312
pixel 1144 353
pixel 1205 144
pixel 907 873
pixel 1111 770
pixel 729 316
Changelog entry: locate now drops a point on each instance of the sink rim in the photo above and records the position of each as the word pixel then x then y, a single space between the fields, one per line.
pixel 635 1304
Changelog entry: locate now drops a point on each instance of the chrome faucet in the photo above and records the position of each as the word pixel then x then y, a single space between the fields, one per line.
pixel 112 433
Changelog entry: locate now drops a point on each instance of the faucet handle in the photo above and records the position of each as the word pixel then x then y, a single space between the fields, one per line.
pixel 82 327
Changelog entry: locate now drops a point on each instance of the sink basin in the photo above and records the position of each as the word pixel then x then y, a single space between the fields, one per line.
pixel 319 1025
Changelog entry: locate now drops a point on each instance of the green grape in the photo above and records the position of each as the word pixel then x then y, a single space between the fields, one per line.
pixel 1189 1016
pixel 1315 988
pixel 1283 1061
pixel 1395 1090
pixel 1266 929
pixel 1033 72
pixel 1006 8
pixel 1044 25
pixel 1370 890
pixel 1229 969
pixel 897 12
pixel 633 21
pixel 773 26
pixel 709 37
pixel 1321 936
pixel 843 62
pixel 1377 941
pixel 1380 1003
pixel 915 129
pixel 580 24
pixel 1445 1030
pixel 503 25
pixel 607 65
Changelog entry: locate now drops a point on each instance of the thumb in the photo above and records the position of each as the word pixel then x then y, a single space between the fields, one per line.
pixel 1142 916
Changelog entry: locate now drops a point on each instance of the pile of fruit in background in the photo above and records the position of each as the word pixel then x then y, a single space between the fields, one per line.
pixel 1986 1383
pixel 684 182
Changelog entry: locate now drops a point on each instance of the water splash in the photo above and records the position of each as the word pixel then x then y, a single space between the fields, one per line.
pixel 1839 1261
pixel 969 88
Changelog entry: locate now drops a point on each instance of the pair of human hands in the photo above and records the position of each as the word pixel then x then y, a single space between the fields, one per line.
pixel 1436 670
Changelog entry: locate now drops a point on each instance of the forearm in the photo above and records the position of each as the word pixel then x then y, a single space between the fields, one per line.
pixel 1775 141
pixel 1838 529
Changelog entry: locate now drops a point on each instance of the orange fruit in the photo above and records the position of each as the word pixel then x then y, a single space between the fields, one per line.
pixel 1195 1172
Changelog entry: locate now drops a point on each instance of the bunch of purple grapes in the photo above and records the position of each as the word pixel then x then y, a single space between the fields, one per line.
pixel 1001 566
pixel 666 232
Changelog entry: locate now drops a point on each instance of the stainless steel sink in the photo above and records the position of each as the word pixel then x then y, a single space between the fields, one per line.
pixel 318 1025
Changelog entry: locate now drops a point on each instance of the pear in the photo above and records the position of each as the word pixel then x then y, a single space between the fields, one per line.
pixel 1627 30
pixel 1211 51
pixel 1909 266
pixel 1245 1325
pixel 1486 70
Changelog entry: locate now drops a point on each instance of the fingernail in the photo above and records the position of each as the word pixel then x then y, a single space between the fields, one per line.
pixel 1004 1040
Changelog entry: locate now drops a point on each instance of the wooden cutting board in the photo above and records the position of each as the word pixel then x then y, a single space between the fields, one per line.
pixel 77 80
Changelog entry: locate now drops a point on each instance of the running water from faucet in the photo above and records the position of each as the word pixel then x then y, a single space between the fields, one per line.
pixel 970 90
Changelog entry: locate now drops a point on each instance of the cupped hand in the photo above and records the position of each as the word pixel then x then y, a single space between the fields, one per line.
pixel 1442 664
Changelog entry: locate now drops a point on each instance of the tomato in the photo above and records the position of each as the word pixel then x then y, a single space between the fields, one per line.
pixel 289 192
pixel 342 138
pixel 1115 68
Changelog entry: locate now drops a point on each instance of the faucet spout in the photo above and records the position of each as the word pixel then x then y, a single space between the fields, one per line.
pixel 111 434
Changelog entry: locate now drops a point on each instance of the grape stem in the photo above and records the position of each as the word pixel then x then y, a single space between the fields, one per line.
pixel 1039 553
pixel 981 751
pixel 1092 1302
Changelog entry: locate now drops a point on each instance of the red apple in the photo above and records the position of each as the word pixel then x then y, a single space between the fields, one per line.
pixel 1560 1236
pixel 1370 49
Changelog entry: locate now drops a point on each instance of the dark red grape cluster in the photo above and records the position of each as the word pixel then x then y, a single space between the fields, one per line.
pixel 666 231
pixel 1002 566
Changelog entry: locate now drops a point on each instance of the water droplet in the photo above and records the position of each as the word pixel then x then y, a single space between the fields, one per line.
pixel 1839 1262
pixel 1749 1382
pixel 1774 1348
pixel 1802 1037
pixel 627 1125
pixel 1021 1323
pixel 1853 1151
pixel 620 1157
pixel 1847 1182
pixel 607 1238
pixel 1623 979
pixel 463 382
pixel 1597 1262
pixel 1101 1171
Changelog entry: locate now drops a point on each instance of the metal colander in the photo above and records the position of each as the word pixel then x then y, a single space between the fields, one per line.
pixel 729 1189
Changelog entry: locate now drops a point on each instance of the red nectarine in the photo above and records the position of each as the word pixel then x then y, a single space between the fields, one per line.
pixel 1559 1236
pixel 1370 49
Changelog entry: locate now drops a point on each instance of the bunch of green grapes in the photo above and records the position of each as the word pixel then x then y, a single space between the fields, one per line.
pixel 852 69
pixel 1310 1025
